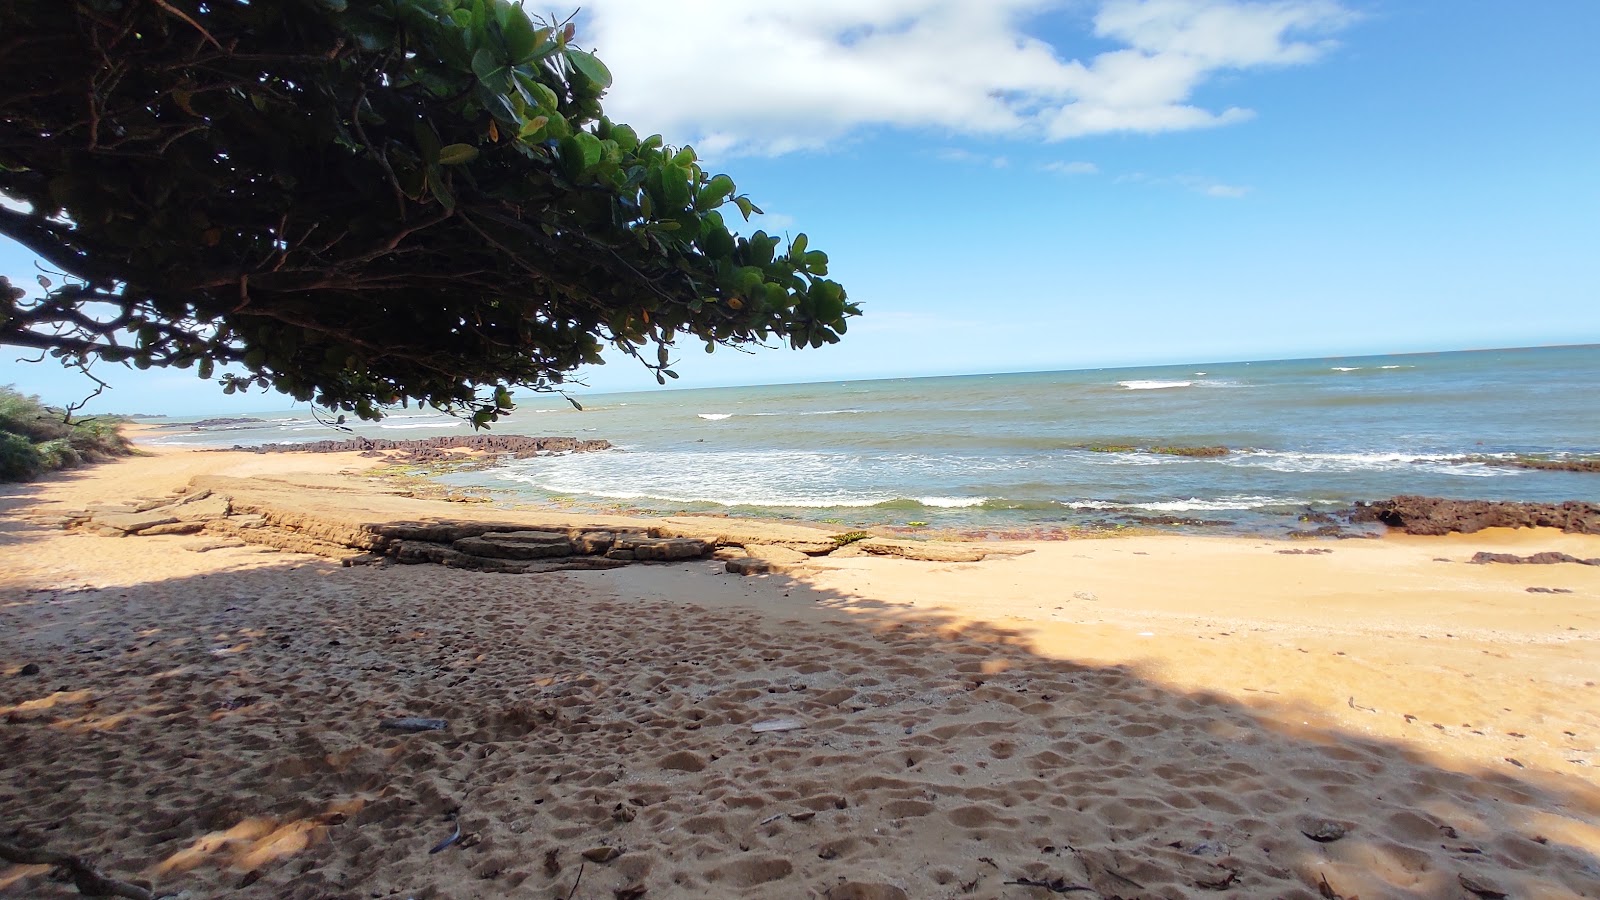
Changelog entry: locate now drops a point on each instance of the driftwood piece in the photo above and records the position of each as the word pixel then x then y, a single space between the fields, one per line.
pixel 89 880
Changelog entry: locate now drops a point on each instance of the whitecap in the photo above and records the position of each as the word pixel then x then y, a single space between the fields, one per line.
pixel 1195 504
pixel 714 417
pixel 1153 385
pixel 952 502
pixel 1346 368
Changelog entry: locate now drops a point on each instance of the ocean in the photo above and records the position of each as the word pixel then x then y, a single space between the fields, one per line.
pixel 1049 450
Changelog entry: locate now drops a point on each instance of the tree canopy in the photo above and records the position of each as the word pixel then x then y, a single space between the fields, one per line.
pixel 364 202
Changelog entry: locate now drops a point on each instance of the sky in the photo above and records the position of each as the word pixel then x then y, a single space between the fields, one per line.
pixel 1026 185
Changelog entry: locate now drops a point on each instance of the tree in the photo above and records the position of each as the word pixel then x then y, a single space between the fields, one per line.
pixel 364 202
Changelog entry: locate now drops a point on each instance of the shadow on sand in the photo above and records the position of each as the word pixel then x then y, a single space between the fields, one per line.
pixel 220 733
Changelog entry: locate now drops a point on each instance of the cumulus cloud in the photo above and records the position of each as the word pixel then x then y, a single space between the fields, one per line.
pixel 735 76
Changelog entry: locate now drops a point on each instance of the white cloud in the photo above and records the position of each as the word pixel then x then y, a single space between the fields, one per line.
pixel 1199 184
pixel 956 155
pixel 735 76
pixel 1071 168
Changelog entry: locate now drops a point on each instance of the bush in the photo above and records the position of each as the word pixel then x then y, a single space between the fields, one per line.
pixel 19 460
pixel 35 438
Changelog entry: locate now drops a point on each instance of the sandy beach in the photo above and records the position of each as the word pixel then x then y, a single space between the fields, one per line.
pixel 1136 717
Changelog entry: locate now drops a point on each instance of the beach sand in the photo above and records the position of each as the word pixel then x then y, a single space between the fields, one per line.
pixel 1155 716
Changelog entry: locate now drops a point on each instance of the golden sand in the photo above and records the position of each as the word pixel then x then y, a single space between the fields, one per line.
pixel 1168 716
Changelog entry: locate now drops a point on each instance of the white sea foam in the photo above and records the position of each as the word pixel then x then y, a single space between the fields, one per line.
pixel 1191 504
pixel 1195 504
pixel 1153 385
pixel 1346 368
pixel 952 502
pixel 1397 367
pixel 1288 461
pixel 715 417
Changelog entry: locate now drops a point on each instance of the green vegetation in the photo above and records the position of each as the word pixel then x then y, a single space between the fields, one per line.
pixel 850 537
pixel 363 203
pixel 35 438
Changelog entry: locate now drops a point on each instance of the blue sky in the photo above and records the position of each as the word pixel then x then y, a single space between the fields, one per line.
pixel 1020 185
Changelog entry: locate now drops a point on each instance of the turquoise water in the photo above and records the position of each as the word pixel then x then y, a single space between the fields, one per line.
pixel 1012 451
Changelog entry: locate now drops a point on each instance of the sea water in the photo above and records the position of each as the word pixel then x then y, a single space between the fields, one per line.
pixel 1052 449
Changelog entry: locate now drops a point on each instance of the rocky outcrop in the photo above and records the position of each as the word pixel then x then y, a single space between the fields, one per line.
pixel 482 546
pixel 438 448
pixel 935 551
pixel 1435 515
pixel 228 514
pixel 1546 558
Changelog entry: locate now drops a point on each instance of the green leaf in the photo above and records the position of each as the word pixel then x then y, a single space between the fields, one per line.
pixel 521 37
pixel 546 97
pixel 483 63
pixel 457 154
pixel 745 206
pixel 533 126
pixel 592 68
pixel 675 186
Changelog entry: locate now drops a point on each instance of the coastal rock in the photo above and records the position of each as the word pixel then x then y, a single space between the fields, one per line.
pixel 516 545
pixel 777 555
pixel 667 549
pixel 593 543
pixel 200 509
pixel 132 522
pixel 173 528
pixel 436 448
pixel 1436 516
pixel 927 551
pixel 719 532
pixel 440 532
pixel 1547 558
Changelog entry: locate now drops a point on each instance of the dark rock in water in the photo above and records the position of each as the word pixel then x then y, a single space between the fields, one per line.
pixel 29 669
pixel 1435 515
pixel 1547 558
pixel 223 423
pixel 437 448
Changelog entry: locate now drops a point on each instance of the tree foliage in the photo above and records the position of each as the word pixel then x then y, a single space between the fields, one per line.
pixel 364 202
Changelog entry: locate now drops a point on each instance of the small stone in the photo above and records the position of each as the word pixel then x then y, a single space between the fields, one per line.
pixel 1323 831
pixel 601 854
pixel 29 669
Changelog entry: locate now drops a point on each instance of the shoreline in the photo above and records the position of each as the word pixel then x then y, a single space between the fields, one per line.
pixel 432 458
pixel 1178 710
